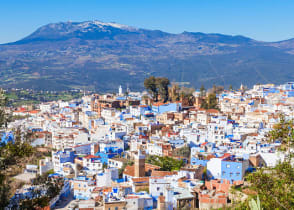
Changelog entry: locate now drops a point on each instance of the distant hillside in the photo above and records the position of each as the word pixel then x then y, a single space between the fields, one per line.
pixel 101 56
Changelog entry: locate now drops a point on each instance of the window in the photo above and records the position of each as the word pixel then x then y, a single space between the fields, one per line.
pixel 116 208
pixel 158 188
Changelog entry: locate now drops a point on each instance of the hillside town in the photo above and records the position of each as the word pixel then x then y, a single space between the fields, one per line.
pixel 131 150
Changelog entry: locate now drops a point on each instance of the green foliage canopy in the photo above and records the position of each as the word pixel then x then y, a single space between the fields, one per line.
pixel 166 163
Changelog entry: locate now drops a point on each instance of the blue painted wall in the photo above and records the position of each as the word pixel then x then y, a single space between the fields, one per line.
pixel 231 171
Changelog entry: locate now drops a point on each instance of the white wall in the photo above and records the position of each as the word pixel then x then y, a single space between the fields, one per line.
pixel 214 167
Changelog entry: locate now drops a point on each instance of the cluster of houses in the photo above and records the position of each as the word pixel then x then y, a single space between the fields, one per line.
pixel 100 144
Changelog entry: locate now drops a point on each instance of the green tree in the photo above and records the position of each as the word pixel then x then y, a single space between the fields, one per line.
pixel 162 84
pixel 4 116
pixel 166 163
pixel 174 92
pixel 183 151
pixel 4 119
pixel 210 102
pixel 275 186
pixel 151 86
pixel 187 96
pixel 283 132
pixel 4 191
pixel 217 89
pixel 202 91
pixel 157 86
pixel 255 205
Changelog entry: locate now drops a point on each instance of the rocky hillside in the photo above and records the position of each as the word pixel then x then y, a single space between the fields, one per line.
pixel 101 56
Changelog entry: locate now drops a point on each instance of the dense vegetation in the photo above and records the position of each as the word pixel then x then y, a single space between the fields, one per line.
pixel 10 153
pixel 157 86
pixel 183 151
pixel 210 102
pixel 30 97
pixel 166 163
pixel 52 186
pixel 14 155
pixel 275 186
pixel 283 132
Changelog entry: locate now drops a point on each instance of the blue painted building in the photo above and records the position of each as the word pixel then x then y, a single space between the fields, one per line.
pixel 7 137
pixel 66 156
pixel 109 152
pixel 176 143
pixel 84 149
pixel 290 94
pixel 144 108
pixel 233 168
pixel 82 187
pixel 288 86
pixel 160 108
pixel 197 161
pixel 60 158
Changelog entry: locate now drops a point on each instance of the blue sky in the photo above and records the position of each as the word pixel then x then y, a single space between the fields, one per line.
pixel 266 20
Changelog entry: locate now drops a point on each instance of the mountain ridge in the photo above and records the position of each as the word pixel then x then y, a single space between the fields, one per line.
pixel 101 56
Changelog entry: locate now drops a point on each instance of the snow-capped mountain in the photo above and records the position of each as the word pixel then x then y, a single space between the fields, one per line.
pixel 87 29
pixel 104 55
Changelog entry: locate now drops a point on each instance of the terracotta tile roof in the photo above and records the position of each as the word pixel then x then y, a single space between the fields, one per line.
pixel 80 145
pixel 34 111
pixel 91 156
pixel 129 170
pixel 132 196
pixel 225 156
pixel 163 173
pixel 19 111
pixel 210 156
pixel 214 111
pixel 151 167
pixel 203 144
pixel 141 179
pixel 158 104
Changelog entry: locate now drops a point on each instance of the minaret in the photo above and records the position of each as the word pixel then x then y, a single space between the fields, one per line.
pixel 139 164
pixel 128 89
pixel 120 90
pixel 241 87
